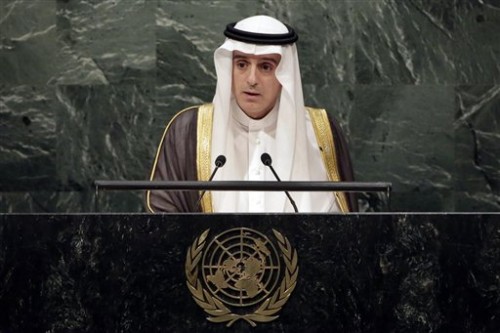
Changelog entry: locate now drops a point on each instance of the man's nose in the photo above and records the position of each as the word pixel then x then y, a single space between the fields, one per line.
pixel 252 76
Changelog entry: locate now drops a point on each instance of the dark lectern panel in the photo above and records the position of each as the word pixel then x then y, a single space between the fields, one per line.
pixel 357 273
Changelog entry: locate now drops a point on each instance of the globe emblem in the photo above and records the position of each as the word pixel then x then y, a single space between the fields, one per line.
pixel 241 267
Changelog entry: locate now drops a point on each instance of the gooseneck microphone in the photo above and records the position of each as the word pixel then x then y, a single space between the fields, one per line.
pixel 219 163
pixel 267 161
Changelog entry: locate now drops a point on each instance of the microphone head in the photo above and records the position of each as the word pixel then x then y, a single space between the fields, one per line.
pixel 220 161
pixel 266 159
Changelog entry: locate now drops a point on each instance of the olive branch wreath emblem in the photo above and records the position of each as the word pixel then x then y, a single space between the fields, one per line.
pixel 218 312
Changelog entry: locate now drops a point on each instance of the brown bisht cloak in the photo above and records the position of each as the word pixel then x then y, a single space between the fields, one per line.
pixel 178 153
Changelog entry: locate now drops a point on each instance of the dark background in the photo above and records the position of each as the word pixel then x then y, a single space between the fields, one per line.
pixel 87 87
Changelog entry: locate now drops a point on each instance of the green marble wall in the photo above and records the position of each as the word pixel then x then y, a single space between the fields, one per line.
pixel 87 86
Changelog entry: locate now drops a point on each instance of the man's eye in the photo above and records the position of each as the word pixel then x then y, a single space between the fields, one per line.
pixel 241 64
pixel 267 67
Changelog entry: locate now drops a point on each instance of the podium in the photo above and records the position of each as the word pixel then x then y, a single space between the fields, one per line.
pixel 351 273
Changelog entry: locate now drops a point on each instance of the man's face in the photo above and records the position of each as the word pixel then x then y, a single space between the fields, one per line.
pixel 255 85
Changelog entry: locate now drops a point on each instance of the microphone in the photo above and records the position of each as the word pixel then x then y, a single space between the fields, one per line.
pixel 267 161
pixel 219 163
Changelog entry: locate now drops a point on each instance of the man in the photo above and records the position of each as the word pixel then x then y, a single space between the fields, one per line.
pixel 258 108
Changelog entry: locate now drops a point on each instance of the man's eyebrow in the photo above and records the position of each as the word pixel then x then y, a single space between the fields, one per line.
pixel 272 60
pixel 236 56
pixel 242 57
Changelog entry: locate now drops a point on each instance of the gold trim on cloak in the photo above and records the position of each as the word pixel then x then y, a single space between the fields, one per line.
pixel 203 151
pixel 325 140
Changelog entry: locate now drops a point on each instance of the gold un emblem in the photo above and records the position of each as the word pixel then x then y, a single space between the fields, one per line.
pixel 240 274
